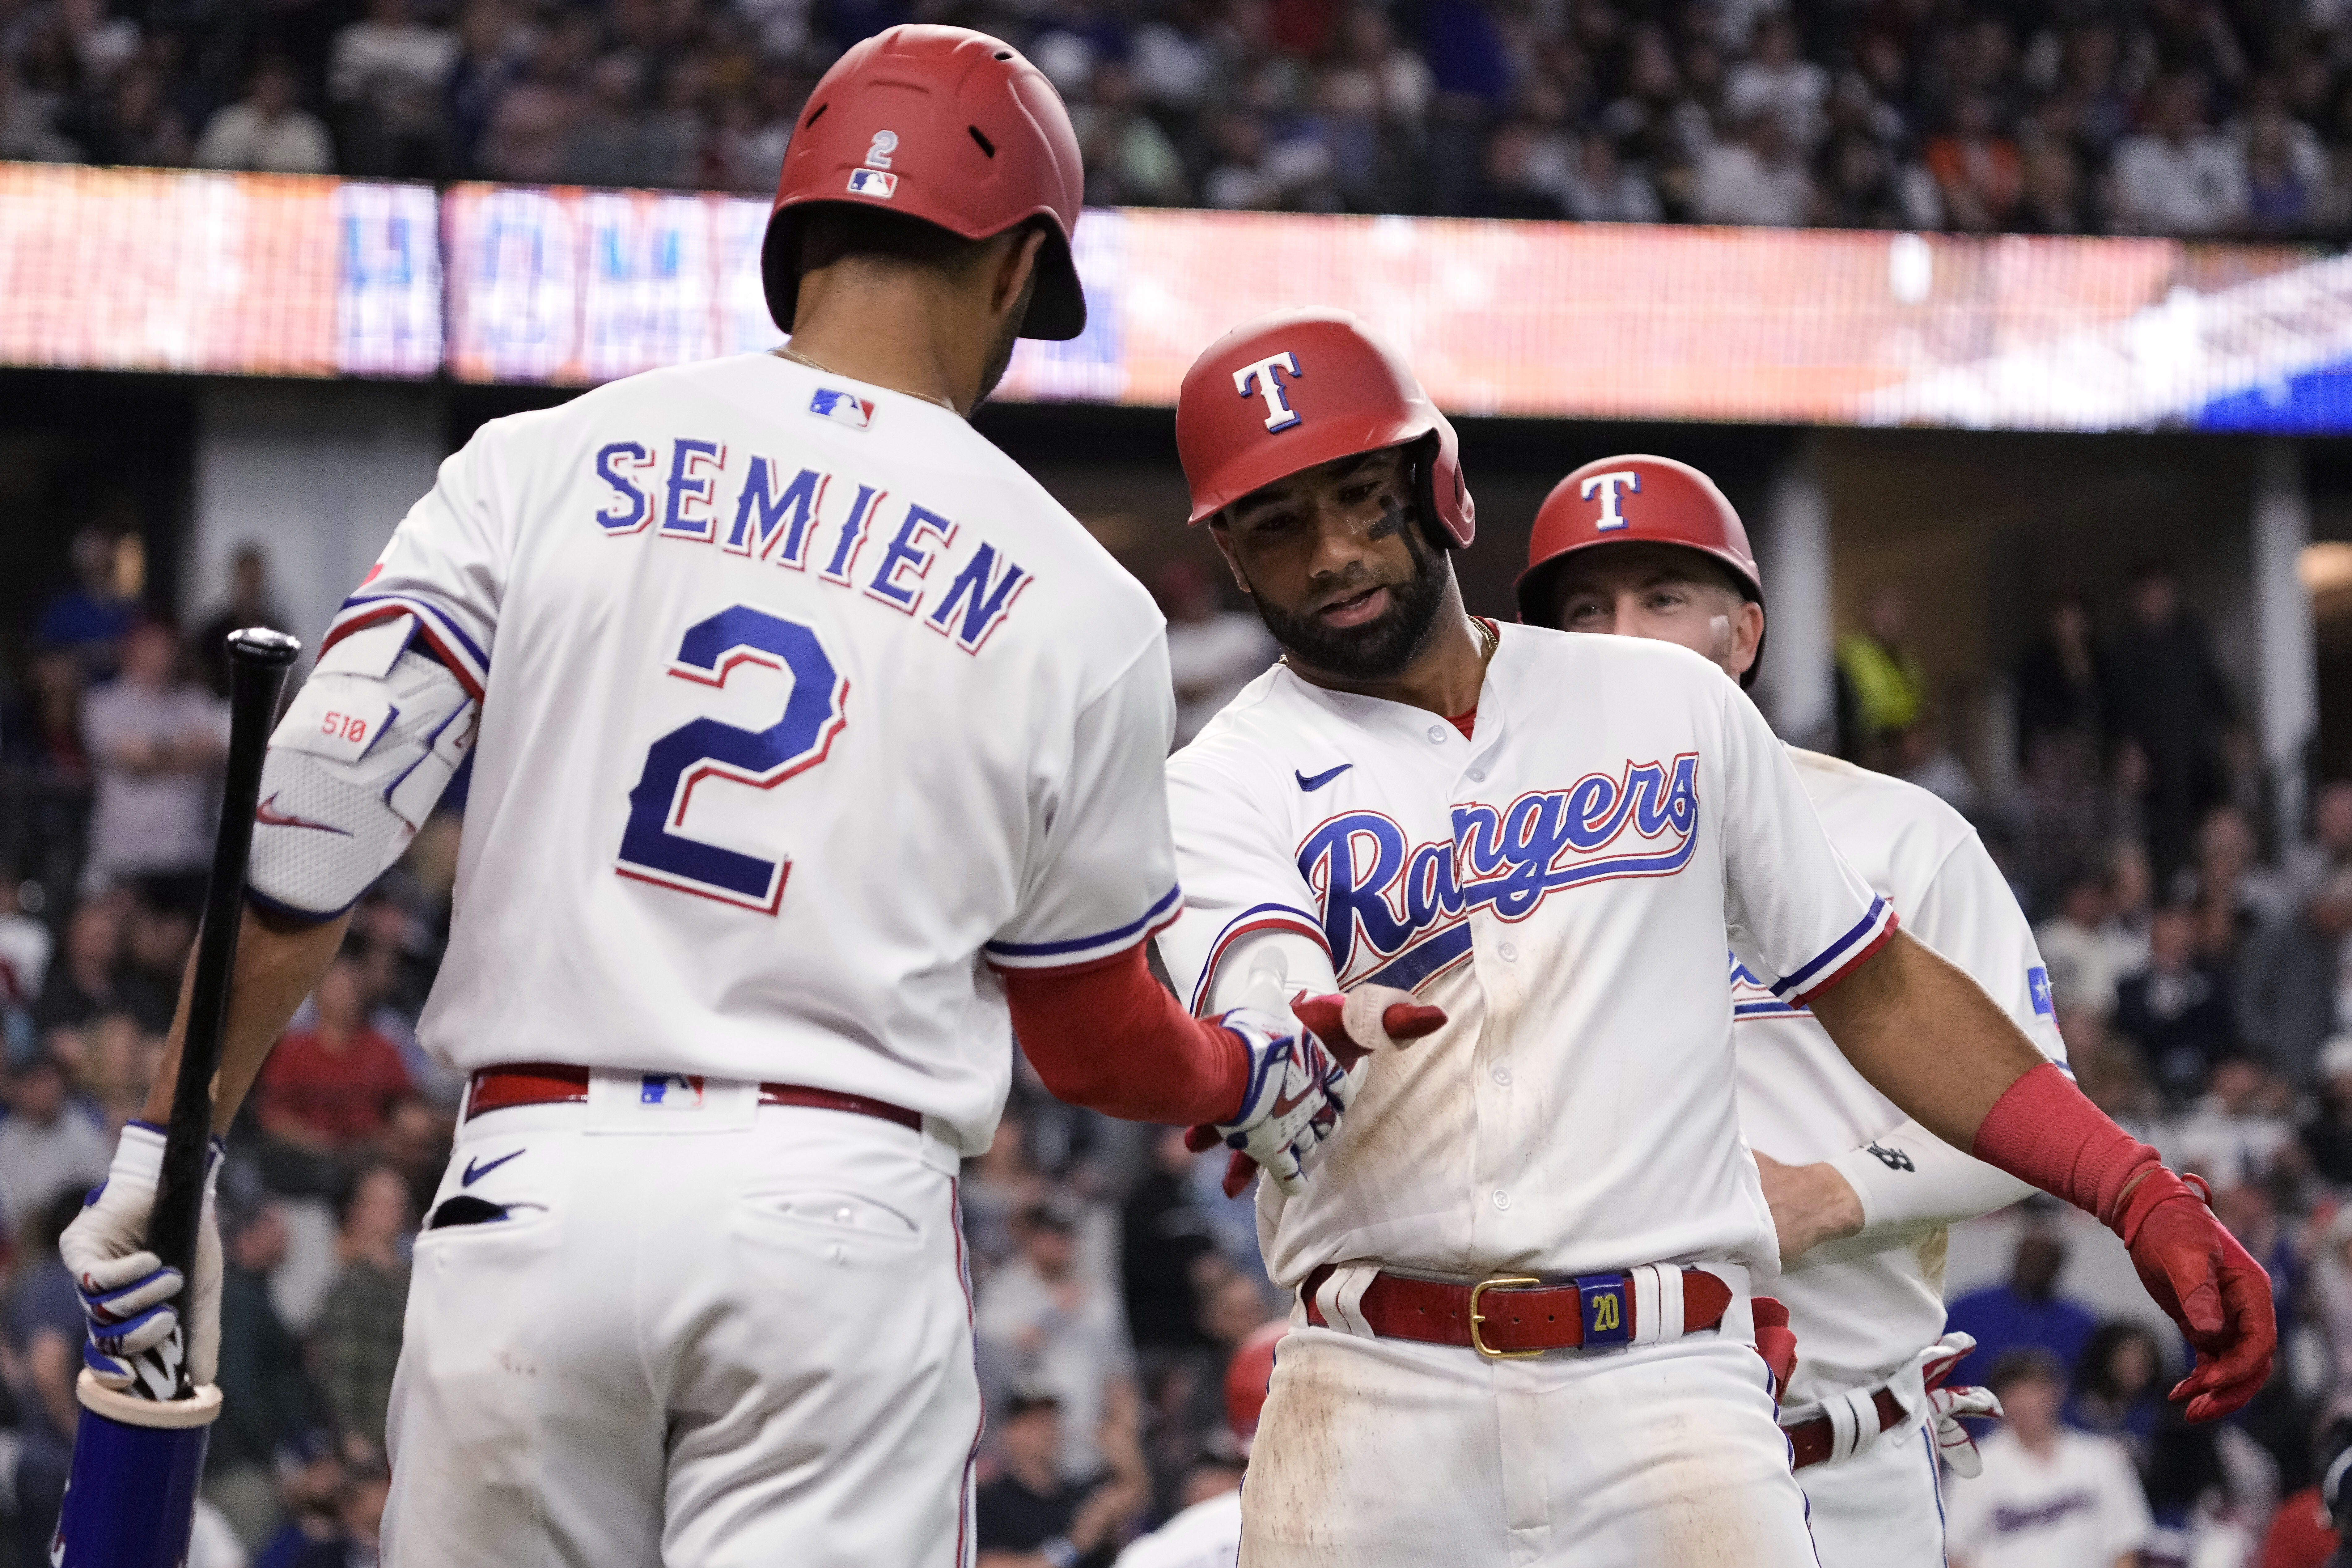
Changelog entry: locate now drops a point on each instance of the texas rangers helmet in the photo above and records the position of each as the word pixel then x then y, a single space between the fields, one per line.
pixel 1629 500
pixel 1247 1374
pixel 1300 387
pixel 946 125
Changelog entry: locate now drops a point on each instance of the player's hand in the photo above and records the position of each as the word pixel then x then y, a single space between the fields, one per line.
pixel 126 1293
pixel 1342 1032
pixel 1355 1024
pixel 1810 1205
pixel 1947 1402
pixel 2208 1285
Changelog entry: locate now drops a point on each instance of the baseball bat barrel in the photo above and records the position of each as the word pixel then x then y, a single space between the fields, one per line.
pixel 258 661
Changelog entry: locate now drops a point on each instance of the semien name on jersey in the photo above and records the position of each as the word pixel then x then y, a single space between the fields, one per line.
pixel 776 521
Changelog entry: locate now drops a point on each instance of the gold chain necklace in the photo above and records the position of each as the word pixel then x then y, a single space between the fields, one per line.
pixel 790 353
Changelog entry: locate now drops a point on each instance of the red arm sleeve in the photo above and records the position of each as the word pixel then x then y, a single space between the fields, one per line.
pixel 1109 1037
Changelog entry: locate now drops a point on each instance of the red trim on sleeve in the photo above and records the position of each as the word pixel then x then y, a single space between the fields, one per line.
pixel 1838 976
pixel 425 634
pixel 1107 1036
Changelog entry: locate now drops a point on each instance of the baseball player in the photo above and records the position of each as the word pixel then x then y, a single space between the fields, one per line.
pixel 1860 1194
pixel 811 739
pixel 1525 1260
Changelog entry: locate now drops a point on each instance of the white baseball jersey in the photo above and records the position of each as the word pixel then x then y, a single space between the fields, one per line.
pixel 1559 882
pixel 798 698
pixel 2081 1507
pixel 1206 1535
pixel 1863 1306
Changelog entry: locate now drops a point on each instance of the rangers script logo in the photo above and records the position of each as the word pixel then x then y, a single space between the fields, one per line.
pixel 1398 915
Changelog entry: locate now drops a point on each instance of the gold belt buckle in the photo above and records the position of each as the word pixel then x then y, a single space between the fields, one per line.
pixel 1478 1294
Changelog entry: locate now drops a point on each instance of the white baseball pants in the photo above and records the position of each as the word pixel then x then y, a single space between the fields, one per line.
pixel 1882 1509
pixel 1389 1454
pixel 705 1336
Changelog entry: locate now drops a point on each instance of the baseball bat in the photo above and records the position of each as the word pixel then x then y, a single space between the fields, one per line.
pixel 131 1495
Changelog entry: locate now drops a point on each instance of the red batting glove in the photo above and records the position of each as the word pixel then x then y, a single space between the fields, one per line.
pixel 2194 1268
pixel 1323 1016
pixel 2043 1131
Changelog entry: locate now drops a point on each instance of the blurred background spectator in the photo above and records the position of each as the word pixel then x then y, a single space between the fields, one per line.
pixel 154 741
pixel 2163 119
pixel 2049 1494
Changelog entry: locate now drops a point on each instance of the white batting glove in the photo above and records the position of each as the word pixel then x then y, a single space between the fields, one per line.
pixel 1342 1032
pixel 126 1292
pixel 1297 1091
pixel 1946 1402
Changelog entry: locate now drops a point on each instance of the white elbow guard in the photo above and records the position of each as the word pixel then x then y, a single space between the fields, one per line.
pixel 354 769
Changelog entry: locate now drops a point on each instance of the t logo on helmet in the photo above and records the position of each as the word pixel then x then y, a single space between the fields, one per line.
pixel 1610 485
pixel 1261 378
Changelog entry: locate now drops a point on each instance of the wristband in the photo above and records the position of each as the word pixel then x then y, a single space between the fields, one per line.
pixel 2043 1131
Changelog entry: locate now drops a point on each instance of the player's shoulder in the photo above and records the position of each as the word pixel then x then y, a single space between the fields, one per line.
pixel 1625 659
pixel 1259 716
pixel 1247 749
pixel 1855 801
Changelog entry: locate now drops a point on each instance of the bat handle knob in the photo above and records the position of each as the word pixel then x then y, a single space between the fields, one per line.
pixel 261 646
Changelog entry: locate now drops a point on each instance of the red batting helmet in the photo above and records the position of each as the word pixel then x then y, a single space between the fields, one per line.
pixel 1634 499
pixel 943 124
pixel 1247 1374
pixel 1300 387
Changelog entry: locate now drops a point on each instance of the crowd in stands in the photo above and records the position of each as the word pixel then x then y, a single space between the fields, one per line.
pixel 2175 117
pixel 2204 989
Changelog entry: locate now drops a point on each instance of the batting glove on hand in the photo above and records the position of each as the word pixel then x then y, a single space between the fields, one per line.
pixel 2208 1284
pixel 126 1292
pixel 1948 1402
pixel 1294 1103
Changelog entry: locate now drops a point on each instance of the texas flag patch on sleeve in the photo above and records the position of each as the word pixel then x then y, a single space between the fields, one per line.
pixel 839 406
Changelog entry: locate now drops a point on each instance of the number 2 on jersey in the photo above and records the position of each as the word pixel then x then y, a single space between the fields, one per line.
pixel 652 849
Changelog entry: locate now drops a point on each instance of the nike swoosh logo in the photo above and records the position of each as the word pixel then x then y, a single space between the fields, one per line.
pixel 1282 1108
pixel 267 814
pixel 474 1172
pixel 1311 785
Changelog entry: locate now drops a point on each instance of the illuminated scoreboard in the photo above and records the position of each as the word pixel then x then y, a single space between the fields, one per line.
pixel 285 276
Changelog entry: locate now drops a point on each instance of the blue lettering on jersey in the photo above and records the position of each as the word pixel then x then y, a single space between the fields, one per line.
pixel 853 535
pixel 639 511
pixel 907 553
pixel 1407 903
pixel 2037 983
pixel 688 488
pixel 765 517
pixel 986 598
pixel 776 521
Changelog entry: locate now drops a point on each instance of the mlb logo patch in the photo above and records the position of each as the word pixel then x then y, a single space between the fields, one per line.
pixel 670 1092
pixel 2037 983
pixel 879 183
pixel 856 413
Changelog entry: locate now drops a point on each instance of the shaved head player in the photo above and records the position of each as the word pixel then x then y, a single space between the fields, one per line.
pixel 1525 1260
pixel 1861 1194
pixel 811 737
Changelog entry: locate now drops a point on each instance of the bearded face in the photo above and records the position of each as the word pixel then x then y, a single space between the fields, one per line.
pixel 1337 563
